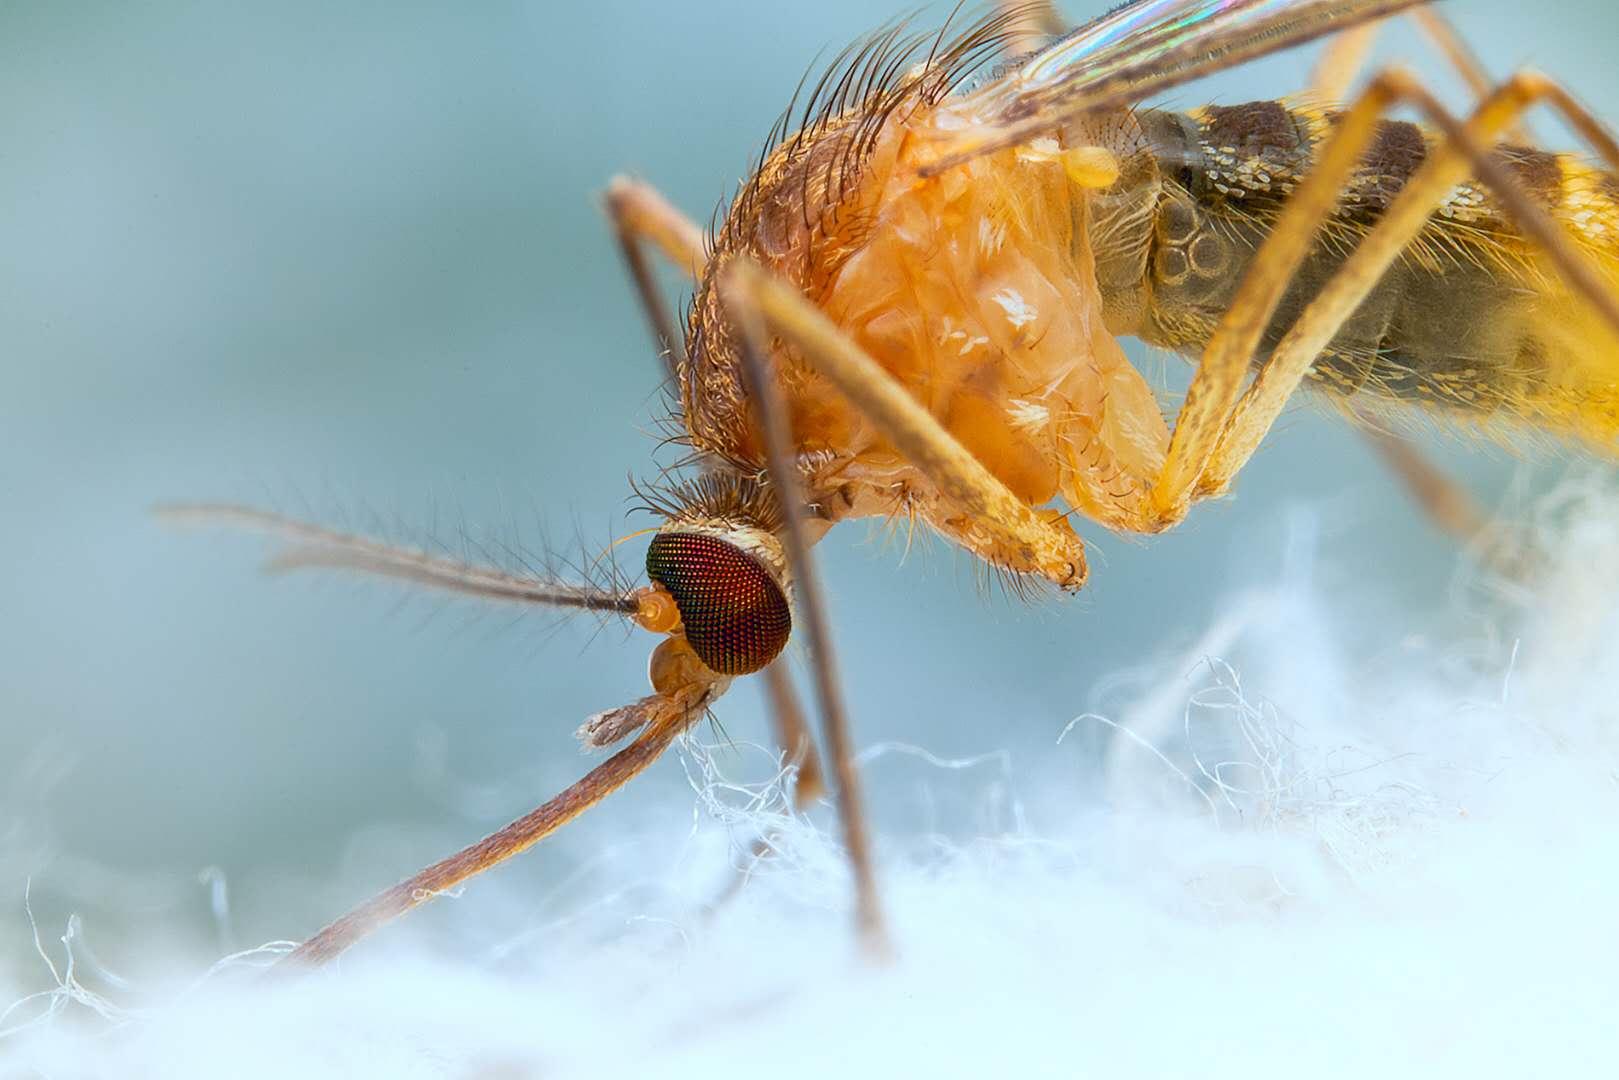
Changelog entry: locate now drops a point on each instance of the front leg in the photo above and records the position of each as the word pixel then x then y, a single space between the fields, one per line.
pixel 641 215
pixel 1011 555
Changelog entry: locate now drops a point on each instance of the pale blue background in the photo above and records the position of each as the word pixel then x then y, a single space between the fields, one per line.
pixel 350 259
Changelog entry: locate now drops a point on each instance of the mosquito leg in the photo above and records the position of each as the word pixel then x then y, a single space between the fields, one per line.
pixel 1222 370
pixel 793 736
pixel 1452 509
pixel 1447 505
pixel 1343 59
pixel 1454 47
pixel 742 304
pixel 1346 56
pixel 640 210
pixel 1211 416
pixel 1463 151
pixel 1445 502
pixel 641 215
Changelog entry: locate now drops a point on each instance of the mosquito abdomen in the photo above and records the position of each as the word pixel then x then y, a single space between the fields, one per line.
pixel 1468 323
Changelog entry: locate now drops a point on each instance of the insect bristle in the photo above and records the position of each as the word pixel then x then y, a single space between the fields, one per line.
pixel 903 528
pixel 996 578
pixel 824 137
pixel 722 494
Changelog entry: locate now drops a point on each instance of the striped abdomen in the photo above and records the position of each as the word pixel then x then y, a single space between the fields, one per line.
pixel 1469 321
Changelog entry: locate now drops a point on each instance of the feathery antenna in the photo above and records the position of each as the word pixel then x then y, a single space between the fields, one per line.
pixel 317 547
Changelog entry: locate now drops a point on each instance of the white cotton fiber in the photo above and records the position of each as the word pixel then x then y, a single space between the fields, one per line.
pixel 1298 864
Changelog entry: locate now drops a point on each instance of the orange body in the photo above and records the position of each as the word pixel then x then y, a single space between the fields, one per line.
pixel 977 291
pixel 993 292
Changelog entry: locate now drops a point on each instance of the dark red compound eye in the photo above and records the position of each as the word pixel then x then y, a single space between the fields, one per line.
pixel 736 615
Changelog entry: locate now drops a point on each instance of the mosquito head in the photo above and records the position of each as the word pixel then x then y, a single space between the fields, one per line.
pixel 719 574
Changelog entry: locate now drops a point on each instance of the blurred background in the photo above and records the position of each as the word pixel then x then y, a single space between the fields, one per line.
pixel 349 262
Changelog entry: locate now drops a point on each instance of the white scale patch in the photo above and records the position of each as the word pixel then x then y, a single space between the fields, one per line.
pixel 991 235
pixel 1028 415
pixel 1019 312
pixel 968 342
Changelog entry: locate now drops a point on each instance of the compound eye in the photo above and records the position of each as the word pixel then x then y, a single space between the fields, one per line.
pixel 735 612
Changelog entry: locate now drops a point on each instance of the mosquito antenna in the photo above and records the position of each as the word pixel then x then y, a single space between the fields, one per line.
pixel 771 412
pixel 317 547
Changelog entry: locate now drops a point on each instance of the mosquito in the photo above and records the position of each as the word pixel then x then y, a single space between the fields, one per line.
pixel 912 310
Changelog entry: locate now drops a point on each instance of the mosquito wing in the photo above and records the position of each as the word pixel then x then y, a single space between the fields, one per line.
pixel 1142 49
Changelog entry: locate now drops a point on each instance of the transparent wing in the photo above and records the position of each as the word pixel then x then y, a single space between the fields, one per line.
pixel 1141 49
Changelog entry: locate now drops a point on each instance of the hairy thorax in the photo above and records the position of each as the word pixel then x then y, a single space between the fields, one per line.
pixel 976 289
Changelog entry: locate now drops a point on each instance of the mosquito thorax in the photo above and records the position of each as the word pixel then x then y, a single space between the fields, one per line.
pixel 729 583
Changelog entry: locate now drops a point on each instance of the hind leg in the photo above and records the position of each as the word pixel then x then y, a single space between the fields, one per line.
pixel 1446 503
